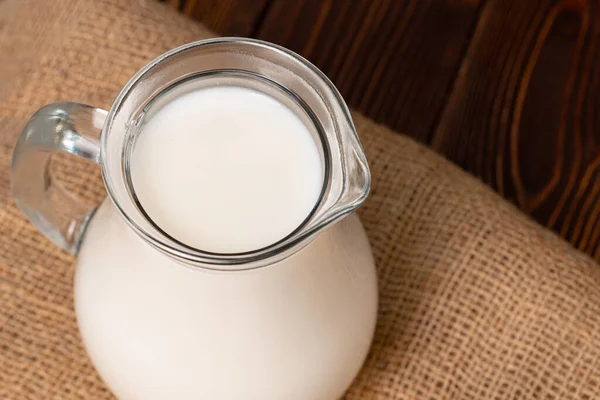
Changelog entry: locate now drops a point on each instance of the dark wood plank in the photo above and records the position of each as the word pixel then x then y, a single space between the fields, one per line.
pixel 228 17
pixel 524 113
pixel 177 3
pixel 393 60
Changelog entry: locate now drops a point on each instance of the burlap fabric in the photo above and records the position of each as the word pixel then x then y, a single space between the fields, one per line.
pixel 477 302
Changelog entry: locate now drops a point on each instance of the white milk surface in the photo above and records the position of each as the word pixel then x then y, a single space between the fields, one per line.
pixel 226 169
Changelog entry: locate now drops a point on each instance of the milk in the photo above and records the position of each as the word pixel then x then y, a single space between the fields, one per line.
pixel 226 169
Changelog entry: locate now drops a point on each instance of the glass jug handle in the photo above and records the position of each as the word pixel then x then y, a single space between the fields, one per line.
pixel 60 127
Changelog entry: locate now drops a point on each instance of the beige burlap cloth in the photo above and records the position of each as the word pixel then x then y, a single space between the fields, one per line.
pixel 477 302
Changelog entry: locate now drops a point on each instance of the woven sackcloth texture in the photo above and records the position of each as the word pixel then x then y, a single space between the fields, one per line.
pixel 477 302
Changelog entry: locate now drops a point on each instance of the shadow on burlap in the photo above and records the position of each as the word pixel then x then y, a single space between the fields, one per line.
pixel 477 302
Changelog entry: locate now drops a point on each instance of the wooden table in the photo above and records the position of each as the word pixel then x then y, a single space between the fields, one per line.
pixel 507 89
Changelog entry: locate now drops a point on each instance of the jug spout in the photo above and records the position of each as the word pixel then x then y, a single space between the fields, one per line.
pixel 349 180
pixel 358 178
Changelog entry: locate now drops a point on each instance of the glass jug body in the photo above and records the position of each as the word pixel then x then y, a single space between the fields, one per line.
pixel 293 319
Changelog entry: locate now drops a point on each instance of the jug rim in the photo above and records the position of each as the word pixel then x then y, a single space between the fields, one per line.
pixel 347 178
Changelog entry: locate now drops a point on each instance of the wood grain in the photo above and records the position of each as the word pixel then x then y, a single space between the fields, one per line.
pixel 365 50
pixel 507 89
pixel 228 17
pixel 523 114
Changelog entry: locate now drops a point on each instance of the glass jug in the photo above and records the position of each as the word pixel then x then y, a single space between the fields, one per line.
pixel 162 320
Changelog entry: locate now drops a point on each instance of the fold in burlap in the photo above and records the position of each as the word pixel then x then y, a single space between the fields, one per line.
pixel 477 302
